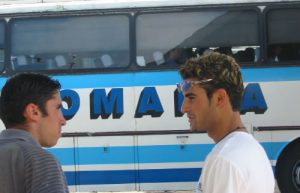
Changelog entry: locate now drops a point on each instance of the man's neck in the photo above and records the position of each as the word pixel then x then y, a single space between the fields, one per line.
pixel 230 123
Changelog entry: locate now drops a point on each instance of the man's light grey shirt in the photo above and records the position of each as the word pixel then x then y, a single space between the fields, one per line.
pixel 25 167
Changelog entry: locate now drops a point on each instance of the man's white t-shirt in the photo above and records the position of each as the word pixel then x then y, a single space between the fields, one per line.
pixel 237 164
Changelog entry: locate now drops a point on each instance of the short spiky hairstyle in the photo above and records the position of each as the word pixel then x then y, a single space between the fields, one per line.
pixel 224 71
pixel 21 90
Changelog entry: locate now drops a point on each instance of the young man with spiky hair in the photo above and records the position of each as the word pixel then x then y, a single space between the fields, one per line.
pixel 213 89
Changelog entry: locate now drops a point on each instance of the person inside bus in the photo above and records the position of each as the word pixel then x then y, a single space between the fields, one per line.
pixel 30 108
pixel 247 55
pixel 213 88
pixel 274 53
pixel 175 56
pixel 224 50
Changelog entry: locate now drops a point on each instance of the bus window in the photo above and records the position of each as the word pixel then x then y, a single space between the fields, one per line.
pixel 160 42
pixel 1 45
pixel 283 35
pixel 85 42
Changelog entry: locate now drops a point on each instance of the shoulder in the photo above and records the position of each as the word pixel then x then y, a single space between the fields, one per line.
pixel 43 172
pixel 17 148
pixel 37 156
pixel 241 150
pixel 238 161
pixel 239 143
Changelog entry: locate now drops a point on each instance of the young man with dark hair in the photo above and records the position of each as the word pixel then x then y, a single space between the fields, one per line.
pixel 30 108
pixel 213 90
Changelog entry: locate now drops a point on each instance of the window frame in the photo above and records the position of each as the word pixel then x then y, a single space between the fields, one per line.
pixel 2 68
pixel 204 9
pixel 10 70
pixel 132 14
pixel 291 5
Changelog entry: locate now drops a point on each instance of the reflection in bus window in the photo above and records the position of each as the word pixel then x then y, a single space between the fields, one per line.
pixel 70 42
pixel 283 35
pixel 1 45
pixel 229 32
pixel 1 58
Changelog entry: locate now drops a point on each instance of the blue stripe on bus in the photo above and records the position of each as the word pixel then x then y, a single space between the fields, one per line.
pixel 125 154
pixel 133 176
pixel 165 78
pixel 169 78
pixel 271 74
pixel 169 175
pixel 146 154
pixel 119 80
pixel 101 155
pixel 173 153
pixel 273 149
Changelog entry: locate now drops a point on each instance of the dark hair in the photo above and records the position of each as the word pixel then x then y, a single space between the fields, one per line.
pixel 21 90
pixel 224 71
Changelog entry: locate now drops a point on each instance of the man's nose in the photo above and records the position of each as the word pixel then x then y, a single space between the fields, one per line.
pixel 184 107
pixel 63 120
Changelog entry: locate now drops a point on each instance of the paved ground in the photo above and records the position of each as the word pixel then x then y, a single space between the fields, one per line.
pixel 276 191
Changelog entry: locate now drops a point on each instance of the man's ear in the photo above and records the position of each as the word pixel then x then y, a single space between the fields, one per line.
pixel 221 97
pixel 32 112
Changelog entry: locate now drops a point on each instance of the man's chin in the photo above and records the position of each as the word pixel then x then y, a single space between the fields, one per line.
pixel 196 129
pixel 193 128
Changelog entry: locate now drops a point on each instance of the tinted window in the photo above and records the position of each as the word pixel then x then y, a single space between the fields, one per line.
pixel 70 42
pixel 2 44
pixel 171 38
pixel 283 35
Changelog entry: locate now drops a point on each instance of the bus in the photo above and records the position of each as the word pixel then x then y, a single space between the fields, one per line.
pixel 118 65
